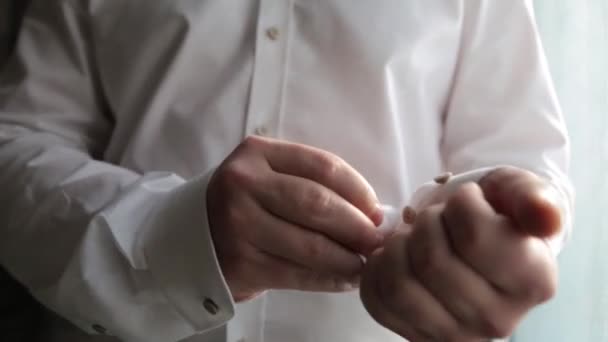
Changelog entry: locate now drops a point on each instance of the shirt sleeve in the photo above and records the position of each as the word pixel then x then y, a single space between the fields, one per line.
pixel 112 250
pixel 503 109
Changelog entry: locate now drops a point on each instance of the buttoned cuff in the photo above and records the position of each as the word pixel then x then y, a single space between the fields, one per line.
pixel 443 186
pixel 165 283
pixel 179 253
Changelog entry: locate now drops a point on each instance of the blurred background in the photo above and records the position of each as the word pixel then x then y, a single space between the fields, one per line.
pixel 575 34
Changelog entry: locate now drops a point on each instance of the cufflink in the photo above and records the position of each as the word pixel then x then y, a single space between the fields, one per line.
pixel 211 306
pixel 99 329
pixel 443 178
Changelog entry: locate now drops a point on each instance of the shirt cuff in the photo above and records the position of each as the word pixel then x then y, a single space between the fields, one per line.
pixel 179 253
pixel 437 191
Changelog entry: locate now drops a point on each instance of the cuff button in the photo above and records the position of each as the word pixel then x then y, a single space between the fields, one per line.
pixel 99 329
pixel 211 306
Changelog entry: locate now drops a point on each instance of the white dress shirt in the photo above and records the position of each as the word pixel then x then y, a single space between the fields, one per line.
pixel 113 114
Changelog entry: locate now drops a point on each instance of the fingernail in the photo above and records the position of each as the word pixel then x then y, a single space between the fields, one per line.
pixel 443 178
pixel 377 216
pixel 409 215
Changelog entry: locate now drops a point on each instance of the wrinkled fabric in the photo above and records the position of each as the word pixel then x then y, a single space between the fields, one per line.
pixel 113 115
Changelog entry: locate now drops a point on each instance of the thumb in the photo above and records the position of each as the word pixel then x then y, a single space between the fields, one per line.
pixel 530 201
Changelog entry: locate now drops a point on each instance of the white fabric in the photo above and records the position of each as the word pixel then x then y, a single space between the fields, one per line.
pixel 114 113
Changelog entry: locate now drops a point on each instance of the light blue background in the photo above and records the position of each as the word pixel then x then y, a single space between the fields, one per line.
pixel 575 34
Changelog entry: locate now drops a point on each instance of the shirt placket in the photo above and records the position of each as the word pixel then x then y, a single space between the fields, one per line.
pixel 272 39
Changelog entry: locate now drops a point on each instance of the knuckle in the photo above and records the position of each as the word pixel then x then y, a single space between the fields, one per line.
pixel 316 247
pixel 236 173
pixel 459 203
pixel 252 142
pixel 428 217
pixel 428 261
pixel 316 200
pixel 328 165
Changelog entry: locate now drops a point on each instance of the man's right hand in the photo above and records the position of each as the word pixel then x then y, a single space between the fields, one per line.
pixel 289 216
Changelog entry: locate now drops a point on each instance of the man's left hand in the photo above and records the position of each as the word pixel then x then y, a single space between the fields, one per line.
pixel 472 266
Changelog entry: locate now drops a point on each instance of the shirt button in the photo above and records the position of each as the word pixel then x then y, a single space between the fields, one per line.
pixel 272 33
pixel 261 131
pixel 210 306
pixel 99 329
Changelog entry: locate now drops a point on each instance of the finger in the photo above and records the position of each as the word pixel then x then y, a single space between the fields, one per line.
pixel 403 301
pixel 395 323
pixel 280 274
pixel 324 168
pixel 370 297
pixel 470 299
pixel 310 205
pixel 309 249
pixel 515 263
pixel 524 197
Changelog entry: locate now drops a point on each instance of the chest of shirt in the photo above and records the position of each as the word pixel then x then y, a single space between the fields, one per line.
pixel 342 48
pixel 292 69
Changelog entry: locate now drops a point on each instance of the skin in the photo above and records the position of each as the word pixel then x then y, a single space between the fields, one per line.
pixel 288 216
pixel 472 266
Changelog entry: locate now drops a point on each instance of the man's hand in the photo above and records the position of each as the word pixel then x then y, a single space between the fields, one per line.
pixel 472 266
pixel 289 216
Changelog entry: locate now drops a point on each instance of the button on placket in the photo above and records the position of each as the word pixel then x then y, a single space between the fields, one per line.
pixel 272 33
pixel 261 131
pixel 265 107
pixel 266 99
